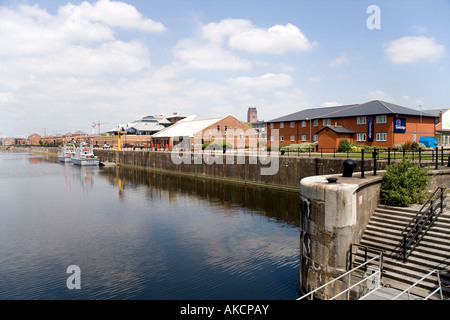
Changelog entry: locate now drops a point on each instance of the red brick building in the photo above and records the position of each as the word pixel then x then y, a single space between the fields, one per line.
pixel 200 130
pixel 374 123
pixel 33 139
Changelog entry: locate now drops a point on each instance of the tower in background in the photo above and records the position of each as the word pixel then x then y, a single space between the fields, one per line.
pixel 252 115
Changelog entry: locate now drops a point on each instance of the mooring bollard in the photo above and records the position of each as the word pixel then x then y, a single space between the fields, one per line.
pixel 374 154
pixel 349 166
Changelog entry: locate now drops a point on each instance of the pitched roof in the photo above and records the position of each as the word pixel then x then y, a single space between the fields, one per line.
pixel 371 108
pixel 338 129
pixel 186 127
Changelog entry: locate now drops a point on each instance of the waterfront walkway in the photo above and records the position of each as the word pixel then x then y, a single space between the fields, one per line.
pixel 384 293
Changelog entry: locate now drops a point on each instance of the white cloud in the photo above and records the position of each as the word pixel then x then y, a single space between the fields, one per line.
pixel 339 61
pixel 380 95
pixel 212 50
pixel 264 82
pixel 331 104
pixel 208 56
pixel 412 49
pixel 110 13
pixel 275 40
pixel 66 67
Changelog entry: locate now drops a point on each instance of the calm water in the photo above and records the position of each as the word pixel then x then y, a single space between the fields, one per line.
pixel 138 235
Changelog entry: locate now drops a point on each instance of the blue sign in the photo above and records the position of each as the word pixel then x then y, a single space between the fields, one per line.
pixel 400 125
pixel 370 129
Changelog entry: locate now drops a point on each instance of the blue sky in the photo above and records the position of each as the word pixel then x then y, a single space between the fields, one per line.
pixel 65 65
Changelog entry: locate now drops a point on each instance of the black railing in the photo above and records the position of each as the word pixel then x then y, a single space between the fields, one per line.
pixel 419 225
pixel 367 253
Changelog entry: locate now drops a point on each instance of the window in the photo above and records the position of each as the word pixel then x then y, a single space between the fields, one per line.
pixel 381 136
pixel 271 126
pixel 316 123
pixel 281 125
pixel 361 120
pixel 381 119
pixel 226 129
pixel 272 138
pixel 316 137
pixel 303 124
pixel 292 124
pixel 281 138
pixel 304 137
pixel 326 122
pixel 292 138
pixel 361 137
pixel 218 128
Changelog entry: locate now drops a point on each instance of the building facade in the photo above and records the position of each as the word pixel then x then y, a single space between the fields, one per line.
pixel 374 123
pixel 194 131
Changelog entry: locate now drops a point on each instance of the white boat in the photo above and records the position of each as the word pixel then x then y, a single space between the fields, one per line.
pixel 84 156
pixel 67 153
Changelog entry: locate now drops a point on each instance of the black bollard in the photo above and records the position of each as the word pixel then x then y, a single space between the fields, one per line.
pixel 349 166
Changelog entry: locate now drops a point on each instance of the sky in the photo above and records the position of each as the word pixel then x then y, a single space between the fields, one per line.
pixel 65 65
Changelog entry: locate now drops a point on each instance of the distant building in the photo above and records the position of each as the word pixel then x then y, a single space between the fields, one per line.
pixel 196 130
pixel 146 126
pixel 252 115
pixel 34 139
pixel 442 125
pixel 374 123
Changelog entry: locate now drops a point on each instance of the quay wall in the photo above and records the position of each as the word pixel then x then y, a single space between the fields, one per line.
pixel 287 170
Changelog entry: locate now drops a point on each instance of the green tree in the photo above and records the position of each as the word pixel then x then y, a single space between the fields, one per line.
pixel 404 184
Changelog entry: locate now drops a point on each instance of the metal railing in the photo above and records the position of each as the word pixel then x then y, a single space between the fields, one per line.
pixel 420 224
pixel 364 281
pixel 438 289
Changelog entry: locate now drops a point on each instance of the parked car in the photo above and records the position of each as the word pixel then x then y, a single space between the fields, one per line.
pixel 127 145
pixel 138 147
pixel 106 146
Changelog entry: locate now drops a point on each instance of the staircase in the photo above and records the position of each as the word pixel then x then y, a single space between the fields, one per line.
pixel 433 252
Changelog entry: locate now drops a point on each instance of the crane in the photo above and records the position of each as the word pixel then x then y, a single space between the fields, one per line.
pixel 119 138
pixel 97 124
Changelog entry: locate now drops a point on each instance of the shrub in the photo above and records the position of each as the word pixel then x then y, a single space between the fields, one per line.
pixel 344 146
pixel 216 145
pixel 404 184
pixel 302 147
pixel 409 146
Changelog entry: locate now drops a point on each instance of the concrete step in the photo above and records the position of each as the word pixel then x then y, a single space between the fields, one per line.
pixel 384 232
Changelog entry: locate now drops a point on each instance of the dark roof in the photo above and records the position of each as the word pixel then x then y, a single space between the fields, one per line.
pixel 436 112
pixel 338 129
pixel 371 108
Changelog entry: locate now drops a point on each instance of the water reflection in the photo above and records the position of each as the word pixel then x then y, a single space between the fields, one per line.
pixel 141 235
pixel 280 205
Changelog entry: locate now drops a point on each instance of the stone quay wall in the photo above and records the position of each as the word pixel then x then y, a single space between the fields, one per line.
pixel 287 172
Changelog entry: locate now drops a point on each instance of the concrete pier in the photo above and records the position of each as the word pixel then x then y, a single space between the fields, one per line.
pixel 333 216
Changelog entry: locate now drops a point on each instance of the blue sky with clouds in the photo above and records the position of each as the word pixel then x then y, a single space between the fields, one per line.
pixel 67 64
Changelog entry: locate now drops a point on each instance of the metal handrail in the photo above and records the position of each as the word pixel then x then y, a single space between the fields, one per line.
pixel 311 293
pixel 411 233
pixel 439 288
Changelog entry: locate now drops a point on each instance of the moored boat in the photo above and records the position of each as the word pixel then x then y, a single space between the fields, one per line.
pixel 67 153
pixel 84 155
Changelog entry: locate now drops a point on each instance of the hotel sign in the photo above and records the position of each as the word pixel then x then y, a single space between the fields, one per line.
pixel 370 129
pixel 400 125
